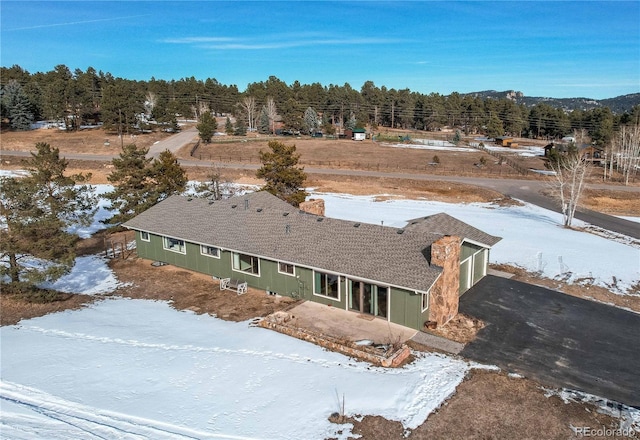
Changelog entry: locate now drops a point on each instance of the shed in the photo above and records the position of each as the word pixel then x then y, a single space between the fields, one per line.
pixel 359 134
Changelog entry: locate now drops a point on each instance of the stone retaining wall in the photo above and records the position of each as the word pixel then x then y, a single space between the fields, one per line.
pixel 391 358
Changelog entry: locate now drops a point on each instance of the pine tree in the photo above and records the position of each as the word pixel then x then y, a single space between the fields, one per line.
pixel 207 127
pixel 311 122
pixel 169 177
pixel 132 182
pixel 37 211
pixel 228 127
pixel 240 129
pixel 121 104
pixel 140 183
pixel 494 127
pixel 264 121
pixel 17 106
pixel 283 179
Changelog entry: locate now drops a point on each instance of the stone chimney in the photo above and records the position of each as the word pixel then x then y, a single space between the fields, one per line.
pixel 313 206
pixel 444 298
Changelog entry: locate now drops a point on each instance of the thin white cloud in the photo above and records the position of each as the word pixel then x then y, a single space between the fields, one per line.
pixel 229 43
pixel 192 40
pixel 73 23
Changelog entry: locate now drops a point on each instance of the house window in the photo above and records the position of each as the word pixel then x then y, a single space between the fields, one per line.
pixel 326 284
pixel 174 245
pixel 425 301
pixel 246 263
pixel 287 269
pixel 144 236
pixel 210 251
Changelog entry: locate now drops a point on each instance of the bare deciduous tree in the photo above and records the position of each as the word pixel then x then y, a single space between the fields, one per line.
pixel 570 173
pixel 217 187
pixel 627 147
pixel 248 105
pixel 272 112
pixel 201 108
pixel 150 102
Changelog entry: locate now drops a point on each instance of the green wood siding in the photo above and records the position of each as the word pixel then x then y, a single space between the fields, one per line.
pixel 465 276
pixel 479 266
pixel 406 308
pixel 468 249
pixel 474 260
pixel 405 305
pixel 270 279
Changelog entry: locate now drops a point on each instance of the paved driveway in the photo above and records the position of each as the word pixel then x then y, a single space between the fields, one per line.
pixel 556 339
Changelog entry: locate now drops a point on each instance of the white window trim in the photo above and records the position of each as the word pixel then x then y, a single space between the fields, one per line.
pixel 142 234
pixel 469 274
pixel 425 294
pixel 340 277
pixel 242 271
pixel 287 273
pixel 202 251
pixel 184 245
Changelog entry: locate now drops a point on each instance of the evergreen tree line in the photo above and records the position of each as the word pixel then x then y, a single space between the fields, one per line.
pixel 85 97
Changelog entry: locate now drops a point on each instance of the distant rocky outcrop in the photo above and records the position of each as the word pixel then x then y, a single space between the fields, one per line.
pixel 619 104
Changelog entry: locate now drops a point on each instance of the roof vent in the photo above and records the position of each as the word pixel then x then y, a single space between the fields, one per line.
pixel 189 199
pixel 210 202
pixel 284 214
pixel 246 203
pixel 234 206
pixel 400 231
pixel 319 219
pixel 259 209
pixel 357 225
pixel 287 229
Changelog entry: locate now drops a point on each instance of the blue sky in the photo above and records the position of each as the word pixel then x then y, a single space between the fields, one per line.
pixel 554 48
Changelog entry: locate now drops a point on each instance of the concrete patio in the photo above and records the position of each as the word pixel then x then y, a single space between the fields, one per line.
pixel 353 327
pixel 347 325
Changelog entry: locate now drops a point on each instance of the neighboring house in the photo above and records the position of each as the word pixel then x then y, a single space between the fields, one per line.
pixel 506 142
pixel 407 276
pixel 593 154
pixel 356 134
pixel 359 134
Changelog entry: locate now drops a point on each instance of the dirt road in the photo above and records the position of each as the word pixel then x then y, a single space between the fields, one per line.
pixel 173 143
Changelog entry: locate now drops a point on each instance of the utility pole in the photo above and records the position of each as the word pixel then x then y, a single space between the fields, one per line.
pixel 120 128
pixel 393 114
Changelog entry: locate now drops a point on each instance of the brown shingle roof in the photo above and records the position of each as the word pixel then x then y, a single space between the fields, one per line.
pixel 263 225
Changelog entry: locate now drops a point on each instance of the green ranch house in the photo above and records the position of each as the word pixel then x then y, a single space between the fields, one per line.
pixel 408 276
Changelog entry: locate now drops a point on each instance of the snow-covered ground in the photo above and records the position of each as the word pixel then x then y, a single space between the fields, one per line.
pixel 429 144
pixel 440 145
pixel 140 369
pixel 124 368
pixel 532 237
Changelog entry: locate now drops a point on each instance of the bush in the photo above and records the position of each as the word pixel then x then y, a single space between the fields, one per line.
pixel 31 293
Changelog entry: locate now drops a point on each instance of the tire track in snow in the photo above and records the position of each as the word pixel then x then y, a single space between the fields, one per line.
pixel 88 422
pixel 268 355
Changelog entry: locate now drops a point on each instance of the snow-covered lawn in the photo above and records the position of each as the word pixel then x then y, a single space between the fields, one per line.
pixel 127 368
pixel 532 237
pixel 440 145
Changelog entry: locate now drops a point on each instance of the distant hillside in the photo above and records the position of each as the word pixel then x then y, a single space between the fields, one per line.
pixel 619 104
